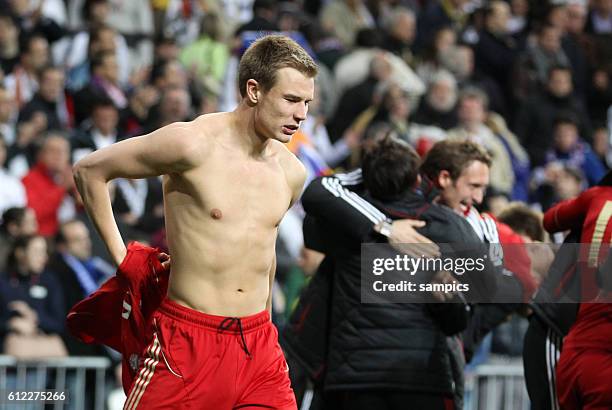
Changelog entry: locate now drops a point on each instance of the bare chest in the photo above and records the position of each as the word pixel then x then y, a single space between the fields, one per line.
pixel 253 193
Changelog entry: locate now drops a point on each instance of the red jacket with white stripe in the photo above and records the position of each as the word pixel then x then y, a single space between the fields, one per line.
pixel 119 314
pixel 593 210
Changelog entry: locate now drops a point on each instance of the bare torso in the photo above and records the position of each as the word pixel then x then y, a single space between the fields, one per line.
pixel 221 221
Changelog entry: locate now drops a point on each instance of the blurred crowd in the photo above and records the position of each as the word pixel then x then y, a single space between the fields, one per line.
pixel 529 80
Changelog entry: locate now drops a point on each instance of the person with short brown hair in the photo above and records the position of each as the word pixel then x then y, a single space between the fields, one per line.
pixel 263 59
pixel 524 221
pixel 448 161
pixel 228 181
pixel 453 156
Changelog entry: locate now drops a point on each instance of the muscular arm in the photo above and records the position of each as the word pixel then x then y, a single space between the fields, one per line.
pixel 172 149
pixel 295 174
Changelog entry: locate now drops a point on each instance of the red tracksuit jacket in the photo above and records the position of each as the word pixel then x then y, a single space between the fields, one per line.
pixel 119 314
pixel 593 210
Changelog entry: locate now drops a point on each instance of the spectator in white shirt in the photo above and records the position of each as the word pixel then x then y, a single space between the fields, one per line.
pixel 22 83
pixel 12 193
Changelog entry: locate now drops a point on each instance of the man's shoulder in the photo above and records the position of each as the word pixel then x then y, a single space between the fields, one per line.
pixel 440 213
pixel 602 192
pixel 285 156
pixel 295 172
pixel 197 132
pixel 454 226
pixel 210 123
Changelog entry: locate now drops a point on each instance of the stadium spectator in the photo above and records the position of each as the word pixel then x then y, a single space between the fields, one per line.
pixel 78 272
pixel 174 105
pixel 359 97
pixel 496 50
pixel 473 106
pixel 599 20
pixel 533 68
pixel 97 38
pixel 399 34
pixel 207 57
pixel 138 204
pixel 264 17
pixel 569 149
pixel 32 307
pixel 49 101
pixel 22 81
pixel 577 46
pixel 534 123
pixel 16 222
pixel 599 96
pixel 132 19
pixel 101 133
pixel 44 17
pixel 9 43
pixel 467 73
pixel 437 14
pixel 104 83
pixel 432 57
pixel 134 118
pixel 12 193
pixel 344 18
pixel 48 183
pixel 439 107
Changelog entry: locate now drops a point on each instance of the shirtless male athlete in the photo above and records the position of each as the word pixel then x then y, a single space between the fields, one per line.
pixel 228 181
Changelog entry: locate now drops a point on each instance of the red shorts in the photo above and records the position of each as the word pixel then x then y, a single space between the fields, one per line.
pixel 200 361
pixel 584 379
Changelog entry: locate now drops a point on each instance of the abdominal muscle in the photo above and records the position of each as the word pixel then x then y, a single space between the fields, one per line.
pixel 221 273
pixel 196 291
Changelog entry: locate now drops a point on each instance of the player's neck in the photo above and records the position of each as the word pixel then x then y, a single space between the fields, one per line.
pixel 247 138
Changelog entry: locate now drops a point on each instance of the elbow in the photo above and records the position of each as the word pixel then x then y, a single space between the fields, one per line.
pixel 84 172
pixel 78 172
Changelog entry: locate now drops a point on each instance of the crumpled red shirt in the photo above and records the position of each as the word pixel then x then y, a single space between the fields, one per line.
pixel 119 314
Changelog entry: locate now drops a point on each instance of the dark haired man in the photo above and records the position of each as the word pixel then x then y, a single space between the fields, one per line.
pixel 101 131
pixel 79 273
pixel 213 344
pixel 16 222
pixel 22 82
pixel 104 83
pixel 48 100
pixel 398 352
pixel 534 122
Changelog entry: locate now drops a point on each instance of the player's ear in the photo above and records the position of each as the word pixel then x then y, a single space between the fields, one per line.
pixel 253 91
pixel 444 179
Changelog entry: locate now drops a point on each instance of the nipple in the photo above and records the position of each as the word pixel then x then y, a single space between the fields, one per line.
pixel 216 213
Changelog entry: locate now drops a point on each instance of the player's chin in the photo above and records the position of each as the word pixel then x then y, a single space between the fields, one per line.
pixel 282 137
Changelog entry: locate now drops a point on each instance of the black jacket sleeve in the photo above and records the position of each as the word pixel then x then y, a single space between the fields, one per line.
pixel 332 201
